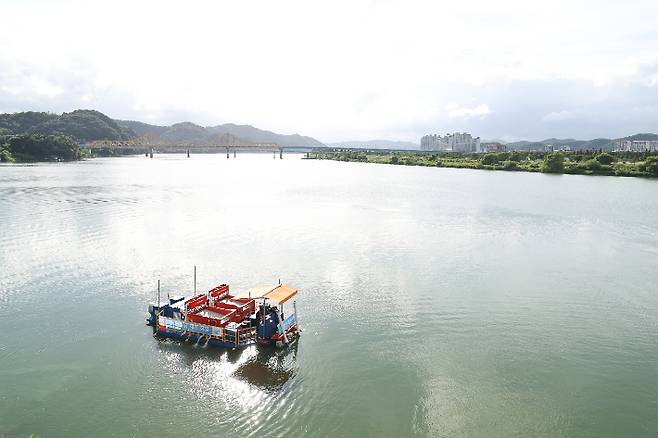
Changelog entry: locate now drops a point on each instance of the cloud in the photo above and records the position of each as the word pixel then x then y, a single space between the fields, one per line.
pixel 559 116
pixel 341 70
pixel 463 112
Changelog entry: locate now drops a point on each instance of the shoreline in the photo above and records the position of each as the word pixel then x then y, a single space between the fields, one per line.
pixel 589 163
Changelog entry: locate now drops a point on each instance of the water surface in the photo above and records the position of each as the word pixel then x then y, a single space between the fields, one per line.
pixel 434 302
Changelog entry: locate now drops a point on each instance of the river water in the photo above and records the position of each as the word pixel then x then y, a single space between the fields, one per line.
pixel 434 302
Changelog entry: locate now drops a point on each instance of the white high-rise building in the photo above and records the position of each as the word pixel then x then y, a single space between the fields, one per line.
pixel 637 145
pixel 457 142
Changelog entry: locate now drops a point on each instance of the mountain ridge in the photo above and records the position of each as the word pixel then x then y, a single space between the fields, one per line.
pixel 81 124
pixel 188 131
pixel 376 144
pixel 90 125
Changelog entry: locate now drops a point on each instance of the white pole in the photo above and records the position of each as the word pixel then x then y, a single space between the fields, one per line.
pixel 194 280
pixel 157 320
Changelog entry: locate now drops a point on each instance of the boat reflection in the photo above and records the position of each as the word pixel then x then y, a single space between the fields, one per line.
pixel 267 369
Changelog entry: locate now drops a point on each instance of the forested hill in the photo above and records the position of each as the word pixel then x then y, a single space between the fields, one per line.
pixel 90 125
pixel 187 131
pixel 81 125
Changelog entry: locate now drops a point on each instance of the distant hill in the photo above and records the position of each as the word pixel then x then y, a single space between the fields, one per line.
pixel 376 144
pixel 187 131
pixel 141 129
pixel 20 123
pixel 79 124
pixel 635 137
pixel 90 125
pixel 256 135
pixel 597 143
pixel 184 131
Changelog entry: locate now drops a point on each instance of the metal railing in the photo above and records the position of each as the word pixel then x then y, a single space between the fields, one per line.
pixel 241 336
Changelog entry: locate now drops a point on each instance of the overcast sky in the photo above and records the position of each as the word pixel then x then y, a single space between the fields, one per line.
pixel 352 70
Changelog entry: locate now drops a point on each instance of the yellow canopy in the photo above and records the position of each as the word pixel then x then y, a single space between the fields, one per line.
pixel 256 292
pixel 279 293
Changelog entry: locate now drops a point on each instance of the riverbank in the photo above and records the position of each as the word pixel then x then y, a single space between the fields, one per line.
pixel 28 148
pixel 643 164
pixel 32 148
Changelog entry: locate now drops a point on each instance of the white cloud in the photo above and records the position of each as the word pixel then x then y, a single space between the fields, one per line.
pixel 558 116
pixel 340 69
pixel 464 112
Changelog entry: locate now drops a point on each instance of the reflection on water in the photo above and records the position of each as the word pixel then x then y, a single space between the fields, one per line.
pixel 270 369
pixel 267 368
pixel 244 385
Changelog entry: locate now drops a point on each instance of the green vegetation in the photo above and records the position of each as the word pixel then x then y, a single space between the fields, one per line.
pixel 553 163
pixel 36 136
pixel 5 154
pixel 578 162
pixel 651 165
pixel 81 125
pixel 36 147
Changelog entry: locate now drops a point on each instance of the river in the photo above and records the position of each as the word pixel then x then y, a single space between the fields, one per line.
pixel 434 302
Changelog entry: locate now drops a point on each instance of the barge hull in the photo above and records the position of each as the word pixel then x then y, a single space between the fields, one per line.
pixel 200 339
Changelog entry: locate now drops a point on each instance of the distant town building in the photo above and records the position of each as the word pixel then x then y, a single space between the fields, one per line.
pixel 559 148
pixel 494 147
pixel 457 142
pixel 638 145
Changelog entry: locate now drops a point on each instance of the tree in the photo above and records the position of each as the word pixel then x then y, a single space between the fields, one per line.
pixel 394 159
pixel 44 147
pixel 553 163
pixel 503 156
pixel 592 164
pixel 5 154
pixel 605 158
pixel 489 159
pixel 517 156
pixel 651 165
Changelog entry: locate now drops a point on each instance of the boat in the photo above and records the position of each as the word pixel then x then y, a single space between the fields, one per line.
pixel 218 318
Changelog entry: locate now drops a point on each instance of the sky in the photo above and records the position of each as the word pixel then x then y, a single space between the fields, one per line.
pixel 342 70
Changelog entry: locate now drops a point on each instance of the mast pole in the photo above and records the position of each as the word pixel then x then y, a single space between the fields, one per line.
pixel 194 280
pixel 157 320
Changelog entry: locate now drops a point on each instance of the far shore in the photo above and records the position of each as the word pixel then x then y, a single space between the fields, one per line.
pixel 636 164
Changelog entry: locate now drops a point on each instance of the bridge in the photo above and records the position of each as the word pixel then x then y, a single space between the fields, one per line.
pixel 152 144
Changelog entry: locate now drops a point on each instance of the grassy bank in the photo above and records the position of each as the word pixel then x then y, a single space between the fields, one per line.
pixel 578 162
